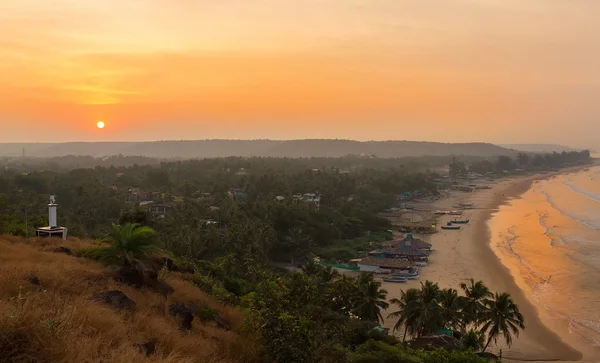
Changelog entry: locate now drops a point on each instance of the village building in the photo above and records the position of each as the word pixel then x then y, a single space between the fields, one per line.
pixel 159 210
pixel 310 198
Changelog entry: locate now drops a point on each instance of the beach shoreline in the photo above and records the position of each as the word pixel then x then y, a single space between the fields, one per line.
pixel 468 253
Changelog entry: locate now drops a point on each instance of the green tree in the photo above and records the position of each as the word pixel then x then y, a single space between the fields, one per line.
pixel 450 303
pixel 504 163
pixel 501 317
pixel 457 168
pixel 430 312
pixel 407 313
pixel 473 302
pixel 523 159
pixel 130 242
pixel 369 298
pixel 473 340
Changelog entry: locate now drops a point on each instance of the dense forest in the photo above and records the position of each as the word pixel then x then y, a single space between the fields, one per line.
pixel 207 201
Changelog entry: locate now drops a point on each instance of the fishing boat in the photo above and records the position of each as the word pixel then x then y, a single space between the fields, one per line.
pixel 465 206
pixel 455 213
pixel 406 276
pixel 394 279
pixel 410 274
pixel 440 212
pixel 421 263
pixel 450 226
pixel 461 221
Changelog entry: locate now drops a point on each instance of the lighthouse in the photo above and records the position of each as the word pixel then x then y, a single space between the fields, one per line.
pixel 52 230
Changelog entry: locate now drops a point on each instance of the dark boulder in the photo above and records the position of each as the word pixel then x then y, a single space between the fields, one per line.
pixel 32 279
pixel 136 277
pixel 148 348
pixel 115 298
pixel 222 324
pixel 159 262
pixel 64 250
pixel 163 288
pixel 143 279
pixel 183 315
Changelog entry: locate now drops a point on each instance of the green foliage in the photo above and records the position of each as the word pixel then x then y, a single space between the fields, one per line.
pixel 99 254
pixel 430 309
pixel 129 242
pixel 214 287
pixel 472 340
pixel 379 352
pixel 501 317
pixel 369 298
pixel 528 161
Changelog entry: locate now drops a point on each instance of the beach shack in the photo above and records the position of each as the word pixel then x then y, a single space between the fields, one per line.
pixel 410 241
pixel 407 253
pixel 423 227
pixel 383 265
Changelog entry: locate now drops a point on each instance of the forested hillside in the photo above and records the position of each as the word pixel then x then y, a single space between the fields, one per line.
pixel 260 148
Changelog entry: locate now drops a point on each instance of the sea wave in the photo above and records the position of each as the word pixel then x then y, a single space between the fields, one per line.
pixel 584 328
pixel 587 223
pixel 511 238
pixel 591 196
pixel 548 232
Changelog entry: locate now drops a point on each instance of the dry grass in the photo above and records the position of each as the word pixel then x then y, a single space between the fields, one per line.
pixel 55 321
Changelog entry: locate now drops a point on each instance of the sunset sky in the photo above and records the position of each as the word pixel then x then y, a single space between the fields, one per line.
pixel 505 71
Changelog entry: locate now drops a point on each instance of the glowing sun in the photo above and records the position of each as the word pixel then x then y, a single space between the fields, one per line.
pixel 100 124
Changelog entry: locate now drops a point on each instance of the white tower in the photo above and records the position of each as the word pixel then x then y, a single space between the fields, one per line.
pixel 52 212
pixel 53 230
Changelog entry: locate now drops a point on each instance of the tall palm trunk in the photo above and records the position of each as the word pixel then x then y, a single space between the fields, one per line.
pixel 488 343
pixel 404 337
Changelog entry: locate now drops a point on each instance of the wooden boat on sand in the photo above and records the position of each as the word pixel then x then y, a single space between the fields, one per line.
pixel 449 226
pixel 395 279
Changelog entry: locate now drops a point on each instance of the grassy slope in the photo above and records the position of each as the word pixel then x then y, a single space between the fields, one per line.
pixel 55 322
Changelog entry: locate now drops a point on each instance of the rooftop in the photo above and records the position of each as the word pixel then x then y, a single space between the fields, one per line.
pixel 386 262
pixel 410 241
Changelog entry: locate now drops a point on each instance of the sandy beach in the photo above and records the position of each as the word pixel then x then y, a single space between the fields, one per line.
pixel 461 255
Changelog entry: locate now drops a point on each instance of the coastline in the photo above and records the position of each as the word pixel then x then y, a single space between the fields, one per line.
pixel 468 253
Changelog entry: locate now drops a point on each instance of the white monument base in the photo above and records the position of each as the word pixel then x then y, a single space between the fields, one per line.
pixel 51 232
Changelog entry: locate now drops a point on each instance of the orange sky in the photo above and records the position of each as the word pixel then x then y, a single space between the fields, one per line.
pixel 444 70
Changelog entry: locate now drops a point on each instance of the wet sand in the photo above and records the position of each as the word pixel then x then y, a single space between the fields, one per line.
pixel 461 255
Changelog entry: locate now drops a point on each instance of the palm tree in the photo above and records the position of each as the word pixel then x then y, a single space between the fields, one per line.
pixel 450 304
pixel 472 340
pixel 430 319
pixel 130 242
pixel 340 298
pixel 310 267
pixel 407 313
pixel 298 242
pixel 473 302
pixel 502 317
pixel 327 275
pixel 368 299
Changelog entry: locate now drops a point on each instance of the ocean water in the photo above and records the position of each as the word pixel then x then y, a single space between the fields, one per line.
pixel 550 240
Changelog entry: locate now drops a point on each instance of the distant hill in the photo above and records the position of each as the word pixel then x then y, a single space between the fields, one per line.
pixel 260 148
pixel 539 148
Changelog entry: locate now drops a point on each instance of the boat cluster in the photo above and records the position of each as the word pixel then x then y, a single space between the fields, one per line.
pixel 403 276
